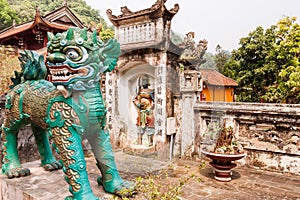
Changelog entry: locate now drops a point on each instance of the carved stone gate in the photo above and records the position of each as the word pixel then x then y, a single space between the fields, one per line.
pixel 148 56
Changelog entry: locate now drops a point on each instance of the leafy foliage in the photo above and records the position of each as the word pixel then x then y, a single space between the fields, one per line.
pixel 106 33
pixel 210 61
pixel 176 37
pixel 161 185
pixel 7 15
pixel 221 57
pixel 216 61
pixel 286 54
pixel 266 65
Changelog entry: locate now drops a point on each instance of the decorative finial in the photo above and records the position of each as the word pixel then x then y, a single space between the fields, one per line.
pixel 65 3
pixel 37 10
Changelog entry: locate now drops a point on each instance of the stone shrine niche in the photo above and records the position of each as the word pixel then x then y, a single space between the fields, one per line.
pixel 144 101
pixel 136 105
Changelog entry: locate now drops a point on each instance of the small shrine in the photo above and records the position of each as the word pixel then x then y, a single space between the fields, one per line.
pixel 32 35
pixel 217 87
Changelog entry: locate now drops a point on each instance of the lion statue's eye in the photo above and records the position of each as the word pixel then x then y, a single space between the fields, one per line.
pixel 72 54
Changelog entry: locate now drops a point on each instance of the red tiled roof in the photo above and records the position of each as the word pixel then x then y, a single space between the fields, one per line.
pixel 13 30
pixel 64 10
pixel 29 25
pixel 213 77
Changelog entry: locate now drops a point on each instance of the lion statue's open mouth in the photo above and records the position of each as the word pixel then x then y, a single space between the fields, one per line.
pixel 63 73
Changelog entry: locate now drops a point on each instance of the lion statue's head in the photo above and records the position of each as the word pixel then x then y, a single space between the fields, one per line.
pixel 77 58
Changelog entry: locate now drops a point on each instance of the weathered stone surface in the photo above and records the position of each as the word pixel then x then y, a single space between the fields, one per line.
pixel 269 132
pixel 247 183
pixel 43 185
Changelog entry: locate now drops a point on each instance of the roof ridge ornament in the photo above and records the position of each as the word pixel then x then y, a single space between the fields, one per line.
pixel 159 3
pixel 125 11
pixel 37 11
pixel 157 10
pixel 193 53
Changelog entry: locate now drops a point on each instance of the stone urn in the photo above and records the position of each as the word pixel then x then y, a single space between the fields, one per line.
pixel 222 164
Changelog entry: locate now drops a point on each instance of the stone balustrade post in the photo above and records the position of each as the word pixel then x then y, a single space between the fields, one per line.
pixel 190 88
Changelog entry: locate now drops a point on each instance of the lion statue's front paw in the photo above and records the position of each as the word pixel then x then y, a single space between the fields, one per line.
pixel 17 172
pixel 120 188
pixel 52 166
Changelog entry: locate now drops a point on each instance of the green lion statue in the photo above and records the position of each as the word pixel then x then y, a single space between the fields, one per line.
pixel 69 107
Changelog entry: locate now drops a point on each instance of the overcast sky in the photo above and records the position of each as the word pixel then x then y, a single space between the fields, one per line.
pixel 221 22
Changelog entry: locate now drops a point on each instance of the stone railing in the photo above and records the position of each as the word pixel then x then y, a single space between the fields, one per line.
pixel 270 133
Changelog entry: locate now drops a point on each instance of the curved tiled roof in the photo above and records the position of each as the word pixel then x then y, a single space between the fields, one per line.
pixel 213 77
pixel 155 11
pixel 64 10
pixel 15 29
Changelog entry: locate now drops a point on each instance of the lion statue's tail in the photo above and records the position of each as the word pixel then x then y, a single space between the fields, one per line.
pixel 32 68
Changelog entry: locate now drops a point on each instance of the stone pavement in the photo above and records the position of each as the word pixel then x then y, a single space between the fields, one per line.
pixel 247 183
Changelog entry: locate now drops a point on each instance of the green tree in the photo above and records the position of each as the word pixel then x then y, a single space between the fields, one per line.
pixel 25 9
pixel 285 54
pixel 230 69
pixel 221 58
pixel 107 33
pixel 104 31
pixel 266 65
pixel 209 61
pixel 7 15
pixel 176 37
pixel 247 64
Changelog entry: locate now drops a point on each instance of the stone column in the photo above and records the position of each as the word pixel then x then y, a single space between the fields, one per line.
pixel 190 88
pixel 160 99
pixel 111 102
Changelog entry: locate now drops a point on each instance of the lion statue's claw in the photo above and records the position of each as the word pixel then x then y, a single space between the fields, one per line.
pixel 56 165
pixel 121 189
pixel 17 172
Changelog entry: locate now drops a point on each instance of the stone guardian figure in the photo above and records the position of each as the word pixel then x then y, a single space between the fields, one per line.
pixel 144 102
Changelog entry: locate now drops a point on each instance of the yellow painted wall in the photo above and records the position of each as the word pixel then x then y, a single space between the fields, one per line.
pixel 206 95
pixel 229 94
pixel 214 93
pixel 219 94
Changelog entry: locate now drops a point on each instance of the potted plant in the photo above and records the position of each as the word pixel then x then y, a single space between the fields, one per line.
pixel 221 147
